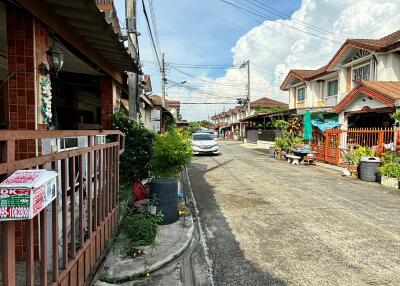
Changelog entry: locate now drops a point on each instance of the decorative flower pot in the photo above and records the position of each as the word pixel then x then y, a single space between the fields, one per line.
pixel 390 182
pixel 165 194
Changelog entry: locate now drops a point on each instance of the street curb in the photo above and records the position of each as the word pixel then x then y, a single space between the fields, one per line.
pixel 153 263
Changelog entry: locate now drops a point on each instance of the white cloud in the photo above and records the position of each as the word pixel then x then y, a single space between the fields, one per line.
pixel 275 48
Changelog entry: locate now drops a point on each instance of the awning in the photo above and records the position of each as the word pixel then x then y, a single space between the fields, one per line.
pixel 325 121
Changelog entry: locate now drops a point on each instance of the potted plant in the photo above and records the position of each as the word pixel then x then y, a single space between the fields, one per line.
pixel 352 162
pixel 390 175
pixel 279 143
pixel 172 151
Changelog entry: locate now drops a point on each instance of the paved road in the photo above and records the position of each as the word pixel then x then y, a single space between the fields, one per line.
pixel 270 223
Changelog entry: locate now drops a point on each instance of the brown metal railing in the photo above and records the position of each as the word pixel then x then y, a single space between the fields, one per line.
pixel 64 247
pixel 328 145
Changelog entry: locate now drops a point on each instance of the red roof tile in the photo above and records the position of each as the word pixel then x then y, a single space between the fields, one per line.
pixel 266 102
pixel 387 92
pixel 384 44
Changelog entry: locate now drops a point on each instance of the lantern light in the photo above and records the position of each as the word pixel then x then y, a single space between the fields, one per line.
pixel 55 57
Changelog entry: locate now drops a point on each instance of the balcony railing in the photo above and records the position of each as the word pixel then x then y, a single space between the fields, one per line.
pixel 64 243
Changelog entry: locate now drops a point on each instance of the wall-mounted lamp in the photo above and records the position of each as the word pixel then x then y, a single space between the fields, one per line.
pixel 55 57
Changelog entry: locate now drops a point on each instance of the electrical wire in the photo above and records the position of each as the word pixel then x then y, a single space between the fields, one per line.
pixel 278 13
pixel 155 27
pixel 151 35
pixel 264 16
pixel 206 81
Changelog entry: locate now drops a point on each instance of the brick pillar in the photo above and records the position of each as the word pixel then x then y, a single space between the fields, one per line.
pixel 27 40
pixel 108 100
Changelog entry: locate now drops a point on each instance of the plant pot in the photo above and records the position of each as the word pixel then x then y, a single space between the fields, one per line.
pixel 353 169
pixel 164 192
pixel 390 182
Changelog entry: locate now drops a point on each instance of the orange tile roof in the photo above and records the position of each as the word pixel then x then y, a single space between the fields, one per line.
pixel 387 92
pixel 383 44
pixel 267 102
pixel 306 74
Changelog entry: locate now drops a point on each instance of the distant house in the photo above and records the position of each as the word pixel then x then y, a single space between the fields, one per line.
pixel 229 123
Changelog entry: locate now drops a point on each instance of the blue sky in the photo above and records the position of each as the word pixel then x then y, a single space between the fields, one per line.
pixel 195 32
pixel 210 32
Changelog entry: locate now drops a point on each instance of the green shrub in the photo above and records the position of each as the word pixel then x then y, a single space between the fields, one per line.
pixel 172 151
pixel 279 143
pixel 280 124
pixel 140 227
pixel 390 170
pixel 363 151
pixel 134 163
pixel 350 157
pixel 391 157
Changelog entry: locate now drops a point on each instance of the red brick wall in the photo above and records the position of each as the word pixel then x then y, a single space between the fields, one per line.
pixel 107 101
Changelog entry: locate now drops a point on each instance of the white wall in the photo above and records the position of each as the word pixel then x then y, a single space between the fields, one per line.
pixel 388 68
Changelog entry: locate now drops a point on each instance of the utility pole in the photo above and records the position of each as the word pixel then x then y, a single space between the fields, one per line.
pixel 246 104
pixel 163 80
pixel 248 88
pixel 133 48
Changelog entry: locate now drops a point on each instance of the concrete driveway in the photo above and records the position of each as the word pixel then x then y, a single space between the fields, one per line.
pixel 270 223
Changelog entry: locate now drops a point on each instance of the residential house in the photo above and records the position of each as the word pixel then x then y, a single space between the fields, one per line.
pixel 360 83
pixel 314 90
pixel 62 67
pixel 229 123
pixel 160 115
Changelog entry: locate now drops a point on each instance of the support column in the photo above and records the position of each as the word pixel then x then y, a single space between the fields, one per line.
pixel 108 100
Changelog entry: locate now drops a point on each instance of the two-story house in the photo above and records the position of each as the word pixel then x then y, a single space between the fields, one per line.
pixel 360 83
pixel 315 90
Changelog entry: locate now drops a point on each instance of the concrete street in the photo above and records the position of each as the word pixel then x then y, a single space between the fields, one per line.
pixel 270 223
pixel 266 222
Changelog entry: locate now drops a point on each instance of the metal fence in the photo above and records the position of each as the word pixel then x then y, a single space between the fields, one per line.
pixel 329 145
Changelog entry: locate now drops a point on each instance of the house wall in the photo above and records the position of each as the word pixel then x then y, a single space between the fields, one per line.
pixel 292 98
pixel 388 67
pixel 361 101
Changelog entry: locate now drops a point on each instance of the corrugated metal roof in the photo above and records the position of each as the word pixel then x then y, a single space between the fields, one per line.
pixel 86 19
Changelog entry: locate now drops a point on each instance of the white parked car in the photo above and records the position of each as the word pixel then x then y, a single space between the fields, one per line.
pixel 204 143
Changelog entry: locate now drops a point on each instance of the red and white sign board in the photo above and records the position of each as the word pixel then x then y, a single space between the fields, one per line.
pixel 25 193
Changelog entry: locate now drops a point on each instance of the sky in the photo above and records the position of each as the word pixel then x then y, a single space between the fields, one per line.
pixel 206 41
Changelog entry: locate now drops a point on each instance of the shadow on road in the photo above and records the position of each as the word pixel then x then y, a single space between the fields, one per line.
pixel 230 266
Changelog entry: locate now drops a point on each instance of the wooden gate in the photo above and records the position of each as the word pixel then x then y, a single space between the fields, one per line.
pixel 56 251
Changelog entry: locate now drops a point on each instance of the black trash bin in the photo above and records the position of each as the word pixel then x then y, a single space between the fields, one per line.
pixel 369 169
pixel 165 194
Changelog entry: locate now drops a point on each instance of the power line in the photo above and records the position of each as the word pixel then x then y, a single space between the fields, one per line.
pixel 275 31
pixel 208 103
pixel 151 35
pixel 234 96
pixel 203 80
pixel 154 22
pixel 272 19
pixel 280 14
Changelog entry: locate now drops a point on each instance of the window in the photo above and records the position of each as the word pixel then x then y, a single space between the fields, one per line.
pixel 361 73
pixel 301 94
pixel 332 88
